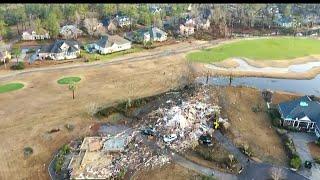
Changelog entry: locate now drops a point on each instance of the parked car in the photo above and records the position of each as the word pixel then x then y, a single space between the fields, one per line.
pixel 149 131
pixel 307 164
pixel 205 140
pixel 169 138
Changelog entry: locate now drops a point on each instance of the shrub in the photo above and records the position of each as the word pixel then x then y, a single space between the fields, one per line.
pixel 69 127
pixel 247 150
pixel 317 142
pixel 17 66
pixel 295 162
pixel 317 160
pixel 27 151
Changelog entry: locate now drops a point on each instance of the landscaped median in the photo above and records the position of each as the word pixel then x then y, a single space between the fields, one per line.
pixel 10 87
pixel 282 48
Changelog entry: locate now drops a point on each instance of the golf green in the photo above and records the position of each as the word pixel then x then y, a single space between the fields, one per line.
pixel 10 87
pixel 68 80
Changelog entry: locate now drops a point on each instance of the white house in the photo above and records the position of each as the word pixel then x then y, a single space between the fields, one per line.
pixel 147 34
pixel 123 21
pixel 109 44
pixel 32 35
pixel 60 50
pixel 70 31
pixel 186 30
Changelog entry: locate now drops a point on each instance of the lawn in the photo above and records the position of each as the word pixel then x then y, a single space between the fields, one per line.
pixel 68 80
pixel 10 87
pixel 96 57
pixel 259 49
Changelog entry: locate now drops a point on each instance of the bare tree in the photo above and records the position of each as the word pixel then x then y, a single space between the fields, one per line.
pixel 277 173
pixel 91 25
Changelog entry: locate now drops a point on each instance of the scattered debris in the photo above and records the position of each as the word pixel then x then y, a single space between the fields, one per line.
pixel 54 130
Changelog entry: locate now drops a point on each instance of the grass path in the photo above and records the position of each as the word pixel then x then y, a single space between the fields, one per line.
pixel 259 49
pixel 10 87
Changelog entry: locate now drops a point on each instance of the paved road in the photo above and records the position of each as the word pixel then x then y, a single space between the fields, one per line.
pixel 300 141
pixel 151 56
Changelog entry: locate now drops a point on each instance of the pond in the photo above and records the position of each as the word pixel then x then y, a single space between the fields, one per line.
pixel 308 87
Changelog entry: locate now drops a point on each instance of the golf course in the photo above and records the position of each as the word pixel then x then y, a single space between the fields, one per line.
pixel 283 48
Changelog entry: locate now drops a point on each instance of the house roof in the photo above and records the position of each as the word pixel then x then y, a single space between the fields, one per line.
pixel 153 31
pixel 107 41
pixel 73 46
pixel 71 28
pixel 301 107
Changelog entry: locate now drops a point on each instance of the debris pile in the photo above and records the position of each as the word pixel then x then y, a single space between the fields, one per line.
pixel 188 121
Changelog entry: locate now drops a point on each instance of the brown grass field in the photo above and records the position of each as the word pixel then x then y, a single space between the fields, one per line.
pixel 27 114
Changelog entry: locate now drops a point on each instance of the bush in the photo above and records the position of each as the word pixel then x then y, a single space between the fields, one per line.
pixel 27 151
pixel 317 160
pixel 295 162
pixel 247 150
pixel 317 142
pixel 69 127
pixel 17 66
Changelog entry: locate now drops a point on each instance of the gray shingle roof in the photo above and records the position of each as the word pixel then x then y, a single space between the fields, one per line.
pixel 56 47
pixel 107 41
pixel 301 107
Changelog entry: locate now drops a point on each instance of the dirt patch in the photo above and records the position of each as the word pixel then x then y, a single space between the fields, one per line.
pixel 314 150
pixel 201 68
pixel 229 63
pixel 169 172
pixel 249 127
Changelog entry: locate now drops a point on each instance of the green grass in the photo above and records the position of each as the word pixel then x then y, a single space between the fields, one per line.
pixel 260 49
pixel 68 80
pixel 10 87
pixel 107 57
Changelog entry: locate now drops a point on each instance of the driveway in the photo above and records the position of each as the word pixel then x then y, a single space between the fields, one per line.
pixel 300 141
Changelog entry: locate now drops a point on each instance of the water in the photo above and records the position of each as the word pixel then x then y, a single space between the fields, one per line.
pixel 303 87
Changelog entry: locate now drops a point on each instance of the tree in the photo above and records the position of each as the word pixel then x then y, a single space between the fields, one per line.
pixel 16 52
pixel 277 173
pixel 38 25
pixel 72 87
pixel 110 9
pixel 3 27
pixel 52 24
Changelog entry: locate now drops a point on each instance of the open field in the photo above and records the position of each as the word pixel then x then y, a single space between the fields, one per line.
pixel 10 87
pixel 27 115
pixel 248 127
pixel 259 49
pixel 168 172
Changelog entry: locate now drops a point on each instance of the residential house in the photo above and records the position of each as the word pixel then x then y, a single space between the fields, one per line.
pixel 60 50
pixel 122 21
pixel 302 113
pixel 93 26
pixel 186 30
pixel 33 35
pixel 147 34
pixel 110 25
pixel 202 24
pixel 70 31
pixel 282 21
pixel 109 44
pixel 154 9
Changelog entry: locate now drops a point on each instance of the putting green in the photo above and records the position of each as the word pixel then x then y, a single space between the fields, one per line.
pixel 259 49
pixel 10 87
pixel 68 80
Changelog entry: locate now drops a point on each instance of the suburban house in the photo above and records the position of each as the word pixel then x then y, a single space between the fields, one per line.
pixel 70 31
pixel 122 21
pixel 147 34
pixel 282 21
pixel 33 35
pixel 110 25
pixel 302 113
pixel 109 44
pixel 60 50
pixel 93 26
pixel 202 24
pixel 186 30
pixel 155 9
